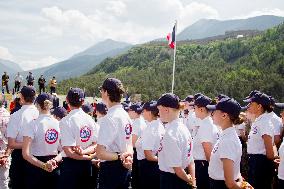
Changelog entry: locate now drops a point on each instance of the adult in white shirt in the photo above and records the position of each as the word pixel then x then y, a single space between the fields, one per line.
pixel 147 147
pixel 260 142
pixel 114 148
pixel 78 140
pixel 224 165
pixel 203 142
pixel 18 81
pixel 18 121
pixel 175 152
pixel 40 146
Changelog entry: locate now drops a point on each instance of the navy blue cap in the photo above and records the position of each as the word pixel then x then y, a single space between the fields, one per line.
pixel 43 97
pixel 251 94
pixel 260 98
pixel 169 100
pixel 136 108
pixel 279 105
pixel 227 105
pixel 59 112
pixel 101 107
pixel 151 106
pixel 197 95
pixel 189 98
pixel 87 108
pixel 202 101
pixel 220 96
pixel 28 91
pixel 75 95
pixel 125 106
pixel 112 84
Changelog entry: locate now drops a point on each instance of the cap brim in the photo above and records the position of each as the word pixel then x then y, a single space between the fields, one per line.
pixel 247 100
pixel 279 105
pixel 191 104
pixel 211 107
pixel 244 108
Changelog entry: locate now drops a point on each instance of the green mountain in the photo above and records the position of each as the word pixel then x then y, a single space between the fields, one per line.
pixel 83 62
pixel 210 27
pixel 231 66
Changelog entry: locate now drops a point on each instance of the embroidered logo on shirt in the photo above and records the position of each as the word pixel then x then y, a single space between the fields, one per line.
pixel 189 148
pixel 51 136
pixel 128 131
pixel 254 130
pixel 161 144
pixel 85 134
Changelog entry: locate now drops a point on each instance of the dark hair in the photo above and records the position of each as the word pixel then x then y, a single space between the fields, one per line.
pixel 29 99
pixel 155 113
pixel 77 104
pixel 115 95
pixel 236 120
pixel 267 108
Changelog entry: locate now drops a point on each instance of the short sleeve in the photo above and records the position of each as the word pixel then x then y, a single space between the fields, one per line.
pixel 67 137
pixel 13 126
pixel 277 125
pixel 95 131
pixel 173 154
pixel 205 133
pixel 108 131
pixel 266 128
pixel 227 150
pixel 148 139
pixel 29 130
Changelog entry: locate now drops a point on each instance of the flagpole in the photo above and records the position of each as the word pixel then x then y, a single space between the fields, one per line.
pixel 174 65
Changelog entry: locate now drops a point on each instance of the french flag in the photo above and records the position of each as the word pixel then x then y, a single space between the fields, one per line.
pixel 171 37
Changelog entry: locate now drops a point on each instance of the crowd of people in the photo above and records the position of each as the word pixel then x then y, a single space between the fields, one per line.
pixel 169 143
pixel 18 82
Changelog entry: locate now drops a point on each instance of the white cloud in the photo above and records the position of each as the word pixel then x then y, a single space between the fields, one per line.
pixel 37 63
pixel 126 20
pixel 5 54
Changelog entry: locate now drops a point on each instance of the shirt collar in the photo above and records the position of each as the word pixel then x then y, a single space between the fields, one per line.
pixel 111 109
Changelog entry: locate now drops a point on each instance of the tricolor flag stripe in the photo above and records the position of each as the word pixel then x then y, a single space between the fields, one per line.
pixel 171 37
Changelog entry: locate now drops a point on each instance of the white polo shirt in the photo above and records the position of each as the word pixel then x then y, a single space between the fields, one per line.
pixel 207 132
pixel 276 122
pixel 77 129
pixel 115 130
pixel 150 139
pixel 239 128
pixel 228 146
pixel 261 126
pixel 192 123
pixel 281 165
pixel 45 135
pixel 138 126
pixel 20 118
pixel 175 147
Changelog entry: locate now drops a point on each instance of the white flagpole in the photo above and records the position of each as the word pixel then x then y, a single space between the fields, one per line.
pixel 174 65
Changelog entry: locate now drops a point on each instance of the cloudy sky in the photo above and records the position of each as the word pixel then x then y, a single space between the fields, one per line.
pixel 38 33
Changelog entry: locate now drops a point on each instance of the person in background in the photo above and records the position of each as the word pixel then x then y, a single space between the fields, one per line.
pixel 55 100
pixel 59 113
pixel 17 122
pixel 224 165
pixel 260 142
pixel 18 81
pixel 175 152
pixel 30 79
pixel 88 109
pixel 101 111
pixel 114 147
pixel 5 82
pixel 17 105
pixel 78 140
pixel 41 84
pixel 40 147
pixel 53 85
pixel 4 158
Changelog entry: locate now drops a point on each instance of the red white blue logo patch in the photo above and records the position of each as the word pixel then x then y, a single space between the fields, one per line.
pixel 85 134
pixel 128 131
pixel 51 136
